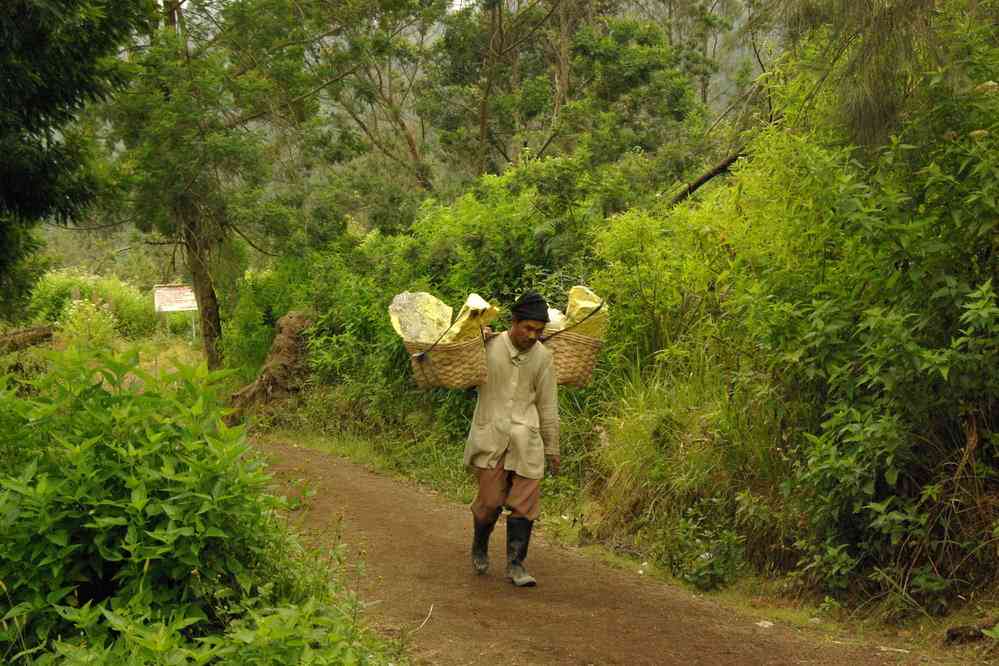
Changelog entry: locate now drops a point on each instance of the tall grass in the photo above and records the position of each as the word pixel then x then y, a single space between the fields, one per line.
pixel 690 432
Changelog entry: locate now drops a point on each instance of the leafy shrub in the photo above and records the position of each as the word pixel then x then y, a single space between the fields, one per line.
pixel 850 309
pixel 179 323
pixel 310 633
pixel 703 555
pixel 87 324
pixel 140 524
pixel 247 333
pixel 133 311
pixel 12 451
pixel 23 266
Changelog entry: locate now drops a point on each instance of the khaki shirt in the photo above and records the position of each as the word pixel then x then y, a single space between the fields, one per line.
pixel 517 410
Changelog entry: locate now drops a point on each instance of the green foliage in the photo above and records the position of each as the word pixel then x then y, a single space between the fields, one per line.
pixel 798 374
pixel 309 633
pixel 637 97
pixel 20 267
pixel 846 313
pixel 88 325
pixel 483 241
pixel 132 311
pixel 261 299
pixel 11 450
pixel 703 556
pixel 55 59
pixel 107 252
pixel 597 86
pixel 136 528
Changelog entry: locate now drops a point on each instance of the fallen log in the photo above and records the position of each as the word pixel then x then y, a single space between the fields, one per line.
pixel 26 337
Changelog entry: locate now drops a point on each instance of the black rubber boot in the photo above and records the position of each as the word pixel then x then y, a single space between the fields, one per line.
pixel 480 544
pixel 518 538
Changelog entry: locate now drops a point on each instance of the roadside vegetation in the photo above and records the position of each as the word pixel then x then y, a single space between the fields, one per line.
pixel 139 529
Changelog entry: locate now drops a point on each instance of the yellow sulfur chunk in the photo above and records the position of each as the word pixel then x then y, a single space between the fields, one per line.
pixel 582 302
pixel 476 313
pixel 419 317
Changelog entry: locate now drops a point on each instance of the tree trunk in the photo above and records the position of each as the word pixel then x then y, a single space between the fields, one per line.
pixel 282 371
pixel 196 250
pixel 494 47
pixel 563 63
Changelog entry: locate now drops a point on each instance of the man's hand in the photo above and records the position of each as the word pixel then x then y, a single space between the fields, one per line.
pixel 554 464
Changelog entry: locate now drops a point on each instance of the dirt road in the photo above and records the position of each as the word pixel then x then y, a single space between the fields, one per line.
pixel 415 546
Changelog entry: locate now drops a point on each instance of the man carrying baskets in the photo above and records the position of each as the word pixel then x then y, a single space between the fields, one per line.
pixel 514 430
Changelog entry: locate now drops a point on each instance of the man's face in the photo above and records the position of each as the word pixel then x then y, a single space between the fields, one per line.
pixel 525 332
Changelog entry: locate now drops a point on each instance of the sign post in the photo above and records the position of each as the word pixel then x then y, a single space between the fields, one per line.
pixel 176 298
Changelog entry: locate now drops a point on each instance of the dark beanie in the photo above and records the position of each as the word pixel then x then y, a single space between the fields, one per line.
pixel 531 305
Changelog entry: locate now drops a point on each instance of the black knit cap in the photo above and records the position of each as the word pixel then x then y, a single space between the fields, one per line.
pixel 531 305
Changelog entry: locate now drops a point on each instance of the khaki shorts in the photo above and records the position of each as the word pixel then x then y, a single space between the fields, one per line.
pixel 500 488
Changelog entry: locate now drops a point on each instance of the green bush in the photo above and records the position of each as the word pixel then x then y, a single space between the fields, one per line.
pixel 864 296
pixel 247 333
pixel 137 525
pixel 703 554
pixel 133 311
pixel 11 450
pixel 87 324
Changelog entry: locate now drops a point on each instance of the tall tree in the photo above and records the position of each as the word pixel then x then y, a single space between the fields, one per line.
pixel 697 32
pixel 583 78
pixel 389 50
pixel 212 127
pixel 490 89
pixel 871 57
pixel 56 56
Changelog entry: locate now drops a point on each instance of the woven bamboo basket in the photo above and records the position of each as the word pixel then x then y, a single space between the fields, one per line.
pixel 456 365
pixel 574 356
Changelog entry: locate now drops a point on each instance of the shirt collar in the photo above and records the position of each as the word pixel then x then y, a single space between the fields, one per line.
pixel 516 356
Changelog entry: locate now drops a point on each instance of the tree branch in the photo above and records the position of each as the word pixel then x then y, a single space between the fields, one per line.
pixel 717 170
pixel 551 137
pixel 304 96
pixel 251 243
pixel 759 60
pixel 494 140
pixel 744 98
pixel 78 228
pixel 534 29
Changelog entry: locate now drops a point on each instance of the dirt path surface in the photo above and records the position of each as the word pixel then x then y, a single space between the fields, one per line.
pixel 415 547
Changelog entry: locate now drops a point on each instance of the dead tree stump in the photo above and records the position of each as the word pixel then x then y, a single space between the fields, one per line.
pixel 282 371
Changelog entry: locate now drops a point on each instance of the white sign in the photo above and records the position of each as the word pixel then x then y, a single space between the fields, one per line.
pixel 174 298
